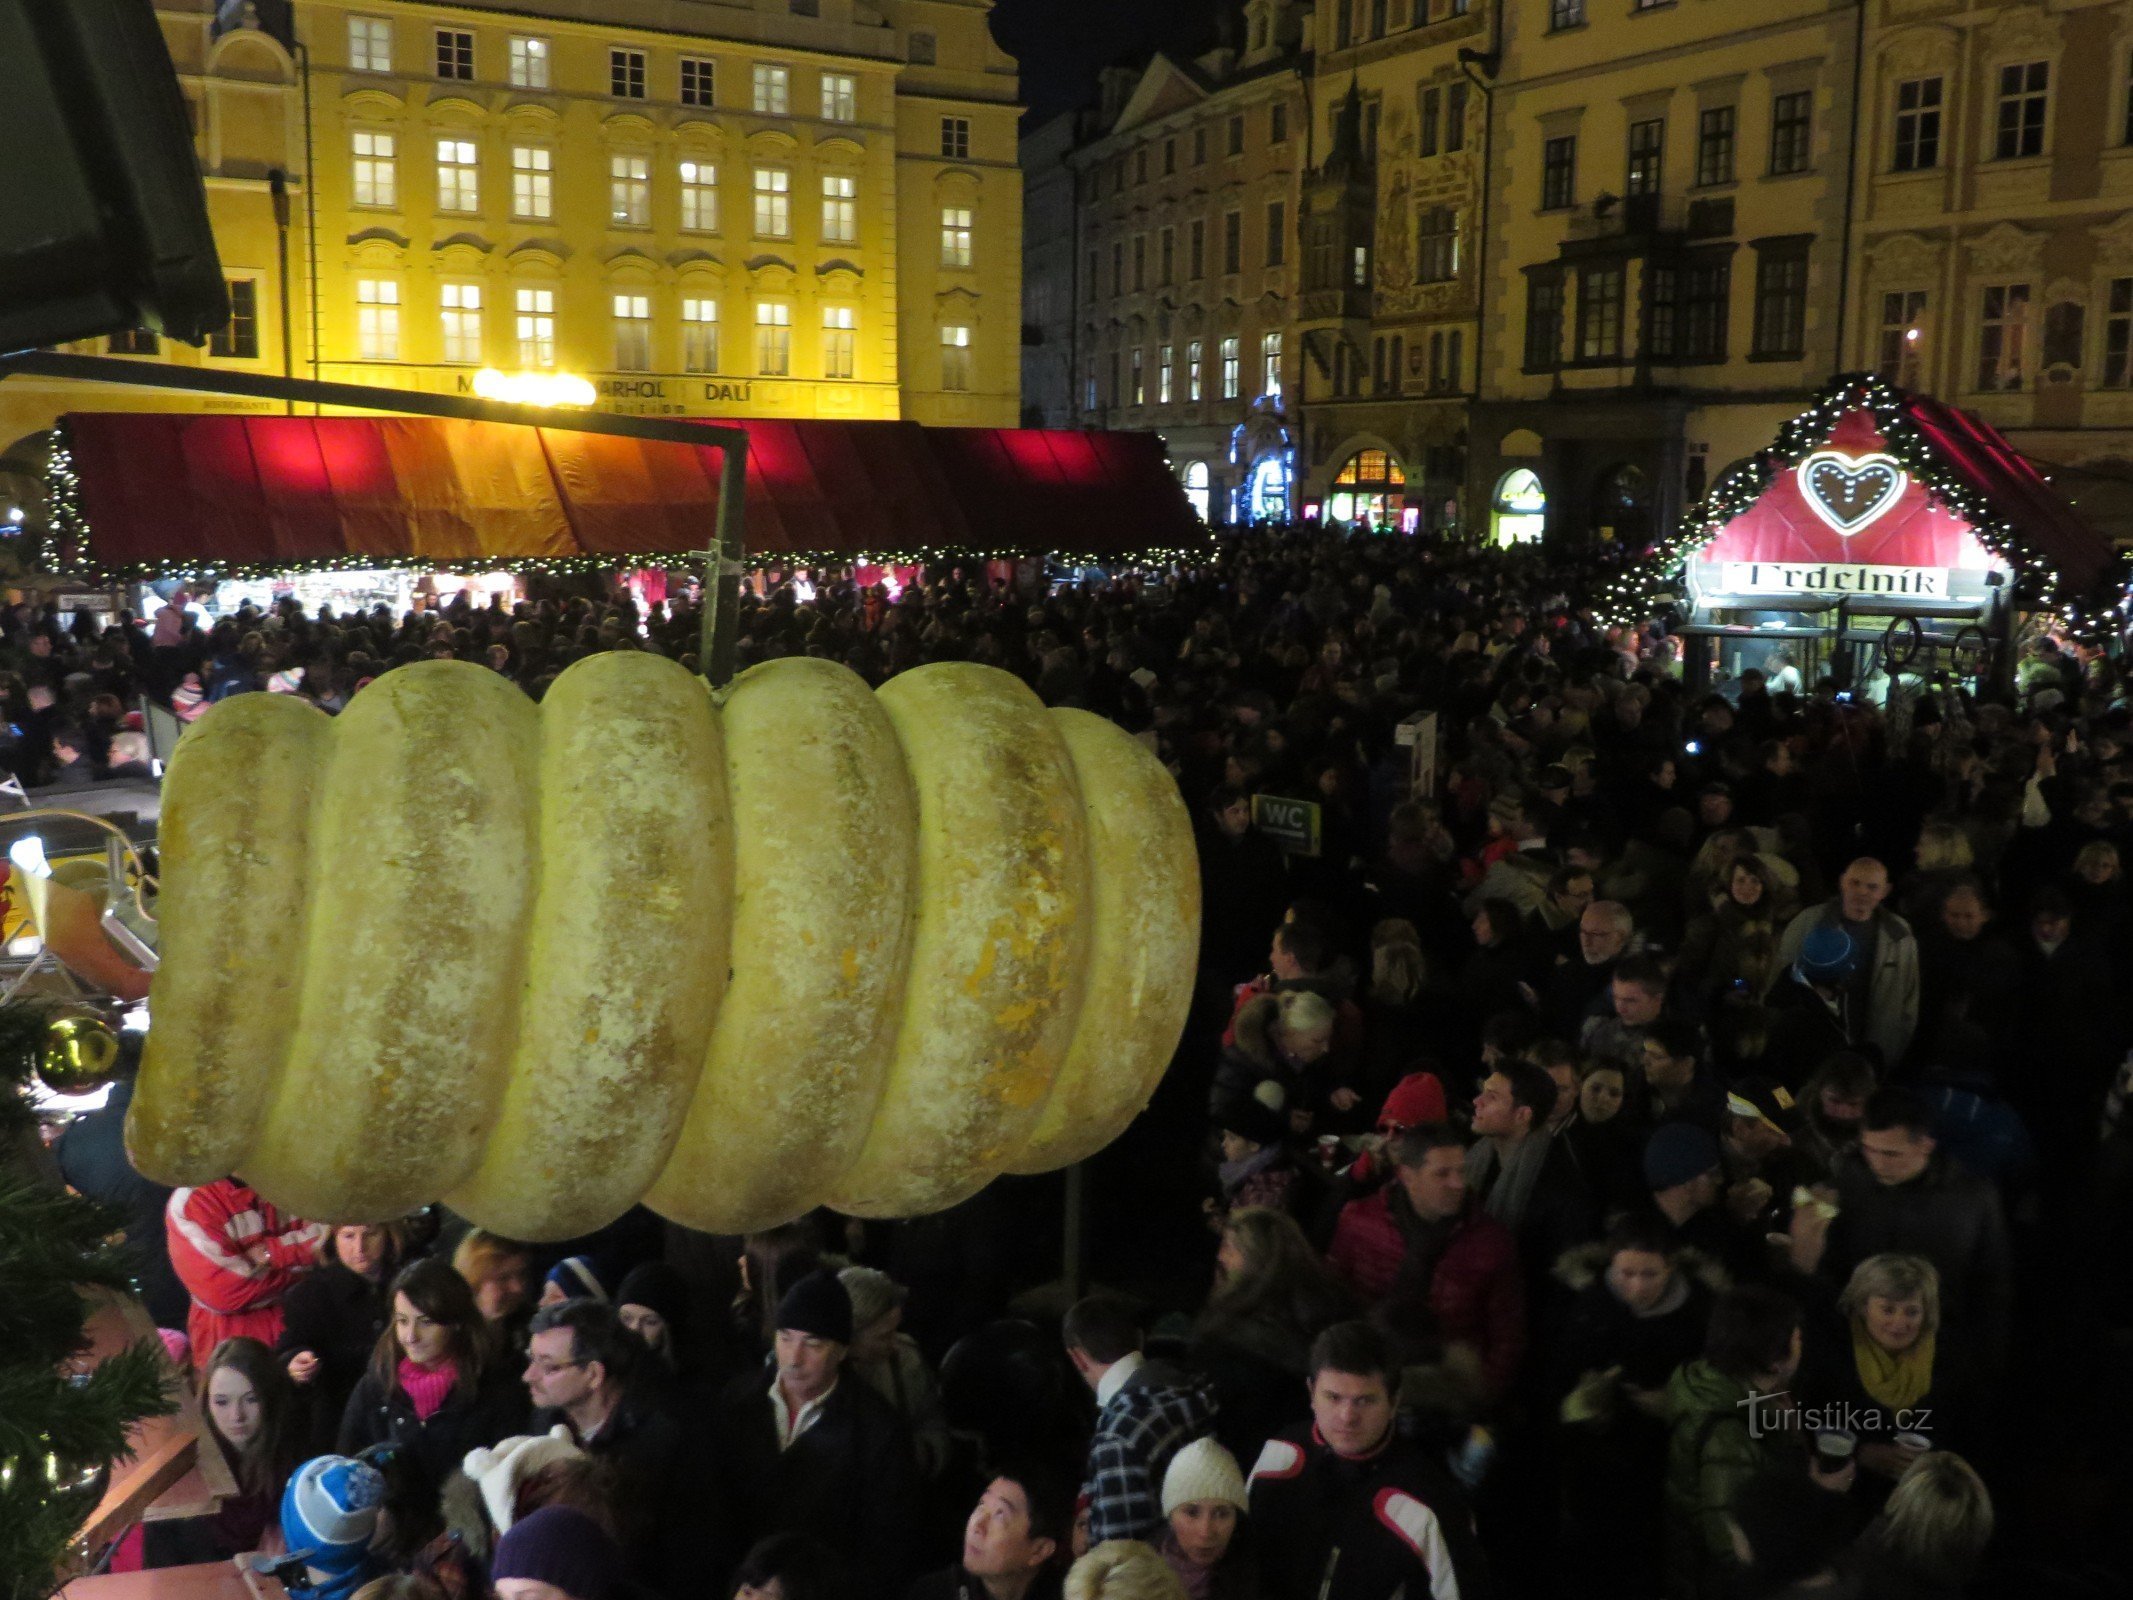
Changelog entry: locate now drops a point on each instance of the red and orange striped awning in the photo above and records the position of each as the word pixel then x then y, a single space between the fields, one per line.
pixel 163 492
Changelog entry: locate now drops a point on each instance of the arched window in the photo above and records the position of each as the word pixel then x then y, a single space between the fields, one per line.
pixel 1196 487
pixel 1371 488
pixel 1519 514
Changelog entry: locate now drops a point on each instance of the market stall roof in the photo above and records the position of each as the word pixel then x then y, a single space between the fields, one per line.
pixel 1871 475
pixel 159 493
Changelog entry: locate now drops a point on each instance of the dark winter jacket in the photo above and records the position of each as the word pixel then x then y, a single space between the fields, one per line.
pixel 662 1488
pixel 849 1480
pixel 338 1316
pixel 383 1414
pixel 1952 1218
pixel 1389 1526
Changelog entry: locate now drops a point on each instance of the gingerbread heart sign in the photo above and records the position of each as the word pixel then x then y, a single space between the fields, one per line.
pixel 1851 492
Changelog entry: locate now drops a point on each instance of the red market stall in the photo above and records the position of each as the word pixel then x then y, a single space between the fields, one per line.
pixel 160 494
pixel 1884 533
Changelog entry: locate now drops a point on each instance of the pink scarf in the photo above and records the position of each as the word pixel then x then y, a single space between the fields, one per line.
pixel 427 1386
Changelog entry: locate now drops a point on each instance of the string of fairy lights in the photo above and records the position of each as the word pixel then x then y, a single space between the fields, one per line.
pixel 77 551
pixel 1639 592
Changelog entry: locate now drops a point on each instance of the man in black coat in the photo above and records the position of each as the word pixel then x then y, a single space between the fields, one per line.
pixel 799 1451
pixel 1345 1509
pixel 586 1370
pixel 1015 1545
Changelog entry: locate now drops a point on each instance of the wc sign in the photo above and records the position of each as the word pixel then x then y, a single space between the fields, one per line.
pixel 1291 824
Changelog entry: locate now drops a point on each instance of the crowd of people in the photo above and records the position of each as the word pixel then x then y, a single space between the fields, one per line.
pixel 1677 1150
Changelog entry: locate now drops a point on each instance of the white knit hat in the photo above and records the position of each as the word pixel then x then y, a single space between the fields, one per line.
pixel 501 1468
pixel 1203 1470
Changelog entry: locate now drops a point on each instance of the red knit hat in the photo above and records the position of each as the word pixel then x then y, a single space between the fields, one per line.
pixel 1416 1101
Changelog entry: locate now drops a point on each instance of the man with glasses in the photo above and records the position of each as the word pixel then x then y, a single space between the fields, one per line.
pixel 587 1371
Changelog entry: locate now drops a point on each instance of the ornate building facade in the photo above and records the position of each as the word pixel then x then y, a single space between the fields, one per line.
pixel 727 208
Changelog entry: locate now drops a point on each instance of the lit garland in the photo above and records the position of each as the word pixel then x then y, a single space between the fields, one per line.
pixel 1633 595
pixel 77 555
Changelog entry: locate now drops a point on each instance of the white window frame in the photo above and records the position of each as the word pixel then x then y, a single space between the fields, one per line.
pixel 455 35
pixel 374 169
pixel 370 44
pixel 1232 367
pixel 534 311
pixel 628 73
pixel 458 176
pixel 958 236
pixel 773 202
pixel 377 319
pixel 1195 371
pixel 772 89
pixel 955 138
pixel 1270 364
pixel 1165 359
pixel 840 208
pixel 705 70
pixel 532 59
pixel 840 342
pixel 629 189
pixel 699 334
pixel 840 97
pixel 958 362
pixel 697 182
pixel 459 322
pixel 633 330
pixel 532 183
pixel 773 338
pixel 2015 339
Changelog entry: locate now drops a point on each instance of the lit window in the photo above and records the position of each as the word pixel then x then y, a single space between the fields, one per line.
pixel 2003 337
pixel 1232 369
pixel 699 336
pixel 377 319
pixel 840 341
pixel 955 236
pixel 536 327
pixel 629 191
pixel 1192 371
pixel 377 174
pixel 698 79
pixel 238 338
pixel 1270 366
pixel 1902 312
pixel 773 338
pixel 840 210
pixel 532 182
pixel 1139 377
pixel 633 333
pixel 455 55
pixel 460 317
pixel 773 203
pixel 773 90
pixel 625 74
pixel 370 44
pixel 955 138
pixel 840 97
pixel 699 196
pixel 1163 363
pixel 955 360
pixel 458 176
pixel 529 62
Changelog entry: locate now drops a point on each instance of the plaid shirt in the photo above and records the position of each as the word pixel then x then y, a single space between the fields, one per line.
pixel 1158 1412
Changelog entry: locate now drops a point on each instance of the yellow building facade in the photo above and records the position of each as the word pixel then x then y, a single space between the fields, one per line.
pixel 1668 252
pixel 720 208
pixel 1995 225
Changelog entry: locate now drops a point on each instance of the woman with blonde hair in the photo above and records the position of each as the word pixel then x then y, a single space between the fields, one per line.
pixel 2097 886
pixel 1405 1011
pixel 1931 1537
pixel 1123 1569
pixel 500 1272
pixel 1885 1366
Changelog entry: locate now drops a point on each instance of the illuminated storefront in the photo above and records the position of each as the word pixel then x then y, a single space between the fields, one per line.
pixel 1520 512
pixel 1371 488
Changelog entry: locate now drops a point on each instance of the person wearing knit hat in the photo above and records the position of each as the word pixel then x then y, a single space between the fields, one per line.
pixel 573 1278
pixel 498 1470
pixel 653 1303
pixel 1203 1500
pixel 891 1364
pixel 799 1450
pixel 1678 1154
pixel 1416 1101
pixel 559 1551
pixel 328 1513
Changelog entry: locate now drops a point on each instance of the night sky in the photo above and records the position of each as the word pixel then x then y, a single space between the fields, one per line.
pixel 1061 43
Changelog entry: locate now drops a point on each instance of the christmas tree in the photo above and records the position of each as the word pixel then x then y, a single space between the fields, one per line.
pixel 59 1425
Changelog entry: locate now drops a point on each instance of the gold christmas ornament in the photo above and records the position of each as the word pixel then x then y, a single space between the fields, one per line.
pixel 80 1054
